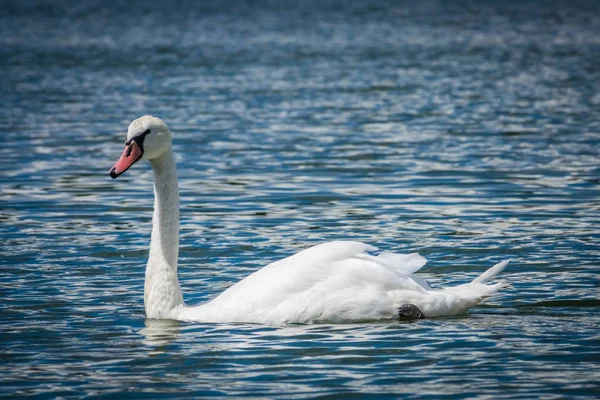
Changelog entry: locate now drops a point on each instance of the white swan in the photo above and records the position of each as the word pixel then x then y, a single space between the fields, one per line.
pixel 332 282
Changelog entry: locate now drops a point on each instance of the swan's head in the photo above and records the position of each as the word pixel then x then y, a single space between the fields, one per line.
pixel 148 137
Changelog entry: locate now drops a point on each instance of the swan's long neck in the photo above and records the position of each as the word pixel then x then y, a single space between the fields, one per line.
pixel 162 294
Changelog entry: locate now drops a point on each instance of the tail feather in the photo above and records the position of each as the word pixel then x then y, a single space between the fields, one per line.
pixel 456 300
pixel 492 272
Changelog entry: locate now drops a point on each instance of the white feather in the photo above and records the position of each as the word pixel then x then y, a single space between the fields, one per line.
pixel 492 272
pixel 408 263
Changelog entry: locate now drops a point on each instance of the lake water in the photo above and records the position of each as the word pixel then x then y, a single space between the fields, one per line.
pixel 467 131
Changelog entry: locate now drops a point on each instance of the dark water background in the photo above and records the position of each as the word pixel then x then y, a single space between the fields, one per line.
pixel 467 131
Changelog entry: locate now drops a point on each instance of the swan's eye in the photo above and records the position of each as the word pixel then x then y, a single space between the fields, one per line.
pixel 147 131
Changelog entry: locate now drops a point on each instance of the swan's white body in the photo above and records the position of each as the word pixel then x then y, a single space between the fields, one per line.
pixel 333 282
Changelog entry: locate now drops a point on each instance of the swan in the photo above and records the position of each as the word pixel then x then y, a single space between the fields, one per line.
pixel 335 282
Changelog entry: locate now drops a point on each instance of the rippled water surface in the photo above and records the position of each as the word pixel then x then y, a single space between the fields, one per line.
pixel 468 132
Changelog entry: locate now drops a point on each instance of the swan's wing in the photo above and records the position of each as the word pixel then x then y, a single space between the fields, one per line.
pixel 321 279
pixel 295 273
pixel 322 254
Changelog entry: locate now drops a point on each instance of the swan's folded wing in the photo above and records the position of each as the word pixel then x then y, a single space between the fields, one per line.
pixel 332 281
pixel 293 274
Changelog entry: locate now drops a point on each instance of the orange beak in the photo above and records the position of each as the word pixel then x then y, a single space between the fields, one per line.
pixel 130 155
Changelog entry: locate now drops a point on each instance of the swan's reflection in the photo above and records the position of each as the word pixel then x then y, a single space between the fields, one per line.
pixel 158 333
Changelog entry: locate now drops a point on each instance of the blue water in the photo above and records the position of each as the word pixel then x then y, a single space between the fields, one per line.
pixel 467 131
